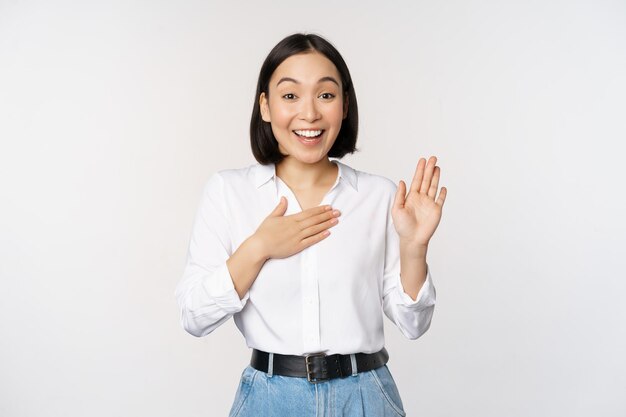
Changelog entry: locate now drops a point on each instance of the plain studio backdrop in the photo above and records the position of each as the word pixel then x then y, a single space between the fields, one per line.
pixel 114 114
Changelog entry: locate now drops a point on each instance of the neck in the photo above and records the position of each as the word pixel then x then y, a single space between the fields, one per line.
pixel 302 175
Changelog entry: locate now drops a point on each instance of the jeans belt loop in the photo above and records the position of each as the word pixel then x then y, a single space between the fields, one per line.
pixel 270 365
pixel 354 367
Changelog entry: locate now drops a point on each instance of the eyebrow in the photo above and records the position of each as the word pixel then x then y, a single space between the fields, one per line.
pixel 327 78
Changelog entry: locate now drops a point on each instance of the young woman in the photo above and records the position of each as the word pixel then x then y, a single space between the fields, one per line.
pixel 306 253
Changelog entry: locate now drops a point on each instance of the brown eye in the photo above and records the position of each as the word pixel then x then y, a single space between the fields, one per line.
pixel 288 94
pixel 328 94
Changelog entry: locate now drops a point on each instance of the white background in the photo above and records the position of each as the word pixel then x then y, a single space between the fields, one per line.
pixel 113 115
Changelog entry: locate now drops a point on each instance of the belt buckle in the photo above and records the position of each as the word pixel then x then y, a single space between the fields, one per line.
pixel 308 369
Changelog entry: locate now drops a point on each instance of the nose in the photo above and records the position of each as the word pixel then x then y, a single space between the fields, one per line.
pixel 309 110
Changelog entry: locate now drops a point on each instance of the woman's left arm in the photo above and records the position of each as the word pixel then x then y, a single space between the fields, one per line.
pixel 416 216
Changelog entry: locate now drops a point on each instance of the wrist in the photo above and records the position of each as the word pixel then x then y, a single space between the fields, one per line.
pixel 413 249
pixel 256 249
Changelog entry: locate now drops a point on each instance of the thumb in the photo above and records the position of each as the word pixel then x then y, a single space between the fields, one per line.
pixel 398 201
pixel 281 208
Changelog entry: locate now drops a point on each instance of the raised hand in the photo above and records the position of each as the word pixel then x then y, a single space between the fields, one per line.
pixel 416 215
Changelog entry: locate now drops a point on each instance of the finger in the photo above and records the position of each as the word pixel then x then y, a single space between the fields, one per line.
pixel 432 191
pixel 311 212
pixel 318 218
pixel 417 176
pixel 317 228
pixel 280 208
pixel 428 174
pixel 398 201
pixel 311 240
pixel 442 196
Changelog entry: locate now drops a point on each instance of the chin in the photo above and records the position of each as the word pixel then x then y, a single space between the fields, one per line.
pixel 310 157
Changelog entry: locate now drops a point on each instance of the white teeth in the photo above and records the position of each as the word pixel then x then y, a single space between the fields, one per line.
pixel 308 133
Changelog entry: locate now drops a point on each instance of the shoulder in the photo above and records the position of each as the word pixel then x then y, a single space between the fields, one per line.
pixel 228 178
pixel 234 174
pixel 375 183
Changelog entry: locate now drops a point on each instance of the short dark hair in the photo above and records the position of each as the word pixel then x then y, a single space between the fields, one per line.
pixel 262 140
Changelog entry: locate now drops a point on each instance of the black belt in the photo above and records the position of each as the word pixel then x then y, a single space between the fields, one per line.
pixel 318 367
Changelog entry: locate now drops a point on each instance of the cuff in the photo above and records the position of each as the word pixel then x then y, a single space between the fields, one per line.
pixel 425 297
pixel 220 287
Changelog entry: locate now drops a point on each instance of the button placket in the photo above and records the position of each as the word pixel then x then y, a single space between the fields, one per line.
pixel 310 300
pixel 309 281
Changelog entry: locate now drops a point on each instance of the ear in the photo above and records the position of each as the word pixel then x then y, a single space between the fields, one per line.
pixel 345 106
pixel 265 111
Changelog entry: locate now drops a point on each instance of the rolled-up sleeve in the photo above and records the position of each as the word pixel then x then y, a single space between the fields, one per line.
pixel 412 317
pixel 206 294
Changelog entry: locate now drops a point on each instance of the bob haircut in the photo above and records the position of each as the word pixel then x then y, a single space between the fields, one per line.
pixel 262 140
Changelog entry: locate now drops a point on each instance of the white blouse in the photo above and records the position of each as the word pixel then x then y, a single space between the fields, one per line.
pixel 326 298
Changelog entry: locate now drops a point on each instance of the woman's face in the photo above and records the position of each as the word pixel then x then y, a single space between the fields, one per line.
pixel 305 94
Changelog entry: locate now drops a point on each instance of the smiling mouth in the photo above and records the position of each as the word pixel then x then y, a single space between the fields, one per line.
pixel 309 134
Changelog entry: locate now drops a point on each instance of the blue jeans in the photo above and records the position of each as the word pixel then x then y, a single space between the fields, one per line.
pixel 365 394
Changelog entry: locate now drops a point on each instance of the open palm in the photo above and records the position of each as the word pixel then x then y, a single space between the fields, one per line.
pixel 417 215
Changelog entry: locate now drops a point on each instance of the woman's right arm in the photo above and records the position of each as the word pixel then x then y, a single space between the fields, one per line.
pixel 215 283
